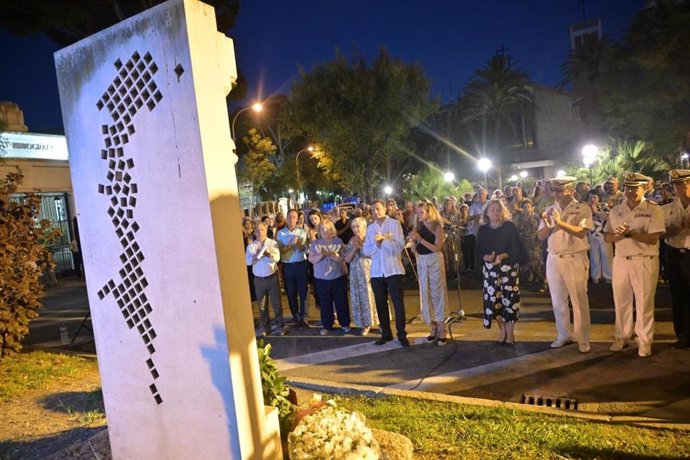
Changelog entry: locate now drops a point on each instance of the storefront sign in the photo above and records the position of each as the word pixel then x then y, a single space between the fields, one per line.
pixel 33 146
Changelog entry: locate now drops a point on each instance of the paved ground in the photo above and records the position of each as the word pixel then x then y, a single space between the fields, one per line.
pixel 472 365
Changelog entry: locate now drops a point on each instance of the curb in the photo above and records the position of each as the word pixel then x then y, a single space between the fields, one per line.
pixel 377 391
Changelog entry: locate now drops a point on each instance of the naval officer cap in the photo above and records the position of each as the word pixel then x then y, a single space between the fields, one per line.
pixel 636 180
pixel 562 182
pixel 679 175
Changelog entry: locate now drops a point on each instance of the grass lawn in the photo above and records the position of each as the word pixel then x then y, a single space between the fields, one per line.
pixel 50 401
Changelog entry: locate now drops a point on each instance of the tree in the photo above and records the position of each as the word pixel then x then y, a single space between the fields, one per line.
pixel 429 183
pixel 620 157
pixel 23 258
pixel 258 164
pixel 359 113
pixel 645 92
pixel 495 97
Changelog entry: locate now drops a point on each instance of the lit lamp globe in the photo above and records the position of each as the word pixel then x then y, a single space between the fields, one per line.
pixel 448 176
pixel 387 190
pixel 560 173
pixel 524 174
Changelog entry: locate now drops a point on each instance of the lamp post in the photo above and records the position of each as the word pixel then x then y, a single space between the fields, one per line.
pixel 589 156
pixel 299 185
pixel 258 107
pixel 448 176
pixel 387 190
pixel 484 164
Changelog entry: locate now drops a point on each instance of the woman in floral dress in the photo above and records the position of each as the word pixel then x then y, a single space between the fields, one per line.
pixel 527 222
pixel 501 252
pixel 361 296
pixel 451 227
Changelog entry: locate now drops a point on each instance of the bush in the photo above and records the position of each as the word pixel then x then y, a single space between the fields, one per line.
pixel 23 258
pixel 274 390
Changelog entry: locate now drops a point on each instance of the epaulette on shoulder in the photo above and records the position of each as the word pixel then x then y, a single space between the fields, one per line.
pixel 666 201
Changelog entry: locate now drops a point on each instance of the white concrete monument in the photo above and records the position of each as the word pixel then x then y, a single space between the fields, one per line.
pixel 156 194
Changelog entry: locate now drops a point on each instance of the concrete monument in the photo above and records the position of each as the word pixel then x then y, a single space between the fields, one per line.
pixel 156 195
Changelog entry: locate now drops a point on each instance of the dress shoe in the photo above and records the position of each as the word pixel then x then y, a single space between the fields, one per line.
pixel 404 342
pixel 558 343
pixel 324 331
pixel 383 340
pixel 304 324
pixel 583 347
pixel 618 345
pixel 682 343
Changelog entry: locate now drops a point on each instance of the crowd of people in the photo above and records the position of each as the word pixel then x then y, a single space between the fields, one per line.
pixel 560 236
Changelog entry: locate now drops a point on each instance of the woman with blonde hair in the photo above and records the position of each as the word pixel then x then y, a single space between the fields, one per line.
pixel 330 273
pixel 428 237
pixel 501 252
pixel 361 296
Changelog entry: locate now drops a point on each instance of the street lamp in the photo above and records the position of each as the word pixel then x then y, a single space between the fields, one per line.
pixel 484 164
pixel 258 107
pixel 387 190
pixel 524 174
pixel 512 178
pixel 560 173
pixel 448 176
pixel 589 156
pixel 684 160
pixel 309 149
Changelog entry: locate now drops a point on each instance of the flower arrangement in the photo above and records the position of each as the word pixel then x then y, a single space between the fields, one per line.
pixel 324 432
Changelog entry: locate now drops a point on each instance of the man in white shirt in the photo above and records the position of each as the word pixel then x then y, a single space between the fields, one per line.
pixel 634 227
pixel 263 255
pixel 565 224
pixel 384 243
pixel 677 218
pixel 470 238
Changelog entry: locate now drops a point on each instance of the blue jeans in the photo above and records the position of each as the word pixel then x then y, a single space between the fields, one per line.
pixel 295 278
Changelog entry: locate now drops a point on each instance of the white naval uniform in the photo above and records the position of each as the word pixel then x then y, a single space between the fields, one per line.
pixel 635 269
pixel 567 272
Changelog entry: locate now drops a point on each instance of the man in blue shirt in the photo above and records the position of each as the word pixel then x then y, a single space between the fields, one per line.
pixel 292 242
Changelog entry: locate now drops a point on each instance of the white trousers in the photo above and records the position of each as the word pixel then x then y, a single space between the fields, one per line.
pixel 634 279
pixel 567 277
pixel 600 258
pixel 433 294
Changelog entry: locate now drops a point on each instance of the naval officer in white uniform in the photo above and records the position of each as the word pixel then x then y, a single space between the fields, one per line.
pixel 565 223
pixel 634 227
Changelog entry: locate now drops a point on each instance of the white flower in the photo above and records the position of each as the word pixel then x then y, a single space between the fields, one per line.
pixel 330 433
pixel 488 311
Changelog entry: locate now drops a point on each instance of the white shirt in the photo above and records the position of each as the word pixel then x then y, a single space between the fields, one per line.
pixel 677 216
pixel 647 217
pixel 475 210
pixel 269 255
pixel 385 259
pixel 562 242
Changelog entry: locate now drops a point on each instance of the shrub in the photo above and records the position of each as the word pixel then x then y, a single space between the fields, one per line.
pixel 274 390
pixel 23 258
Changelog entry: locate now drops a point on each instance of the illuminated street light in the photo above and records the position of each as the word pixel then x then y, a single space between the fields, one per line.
pixel 257 107
pixel 685 160
pixel 512 178
pixel 309 149
pixel 589 156
pixel 560 173
pixel 484 164
pixel 524 174
pixel 448 176
pixel 387 190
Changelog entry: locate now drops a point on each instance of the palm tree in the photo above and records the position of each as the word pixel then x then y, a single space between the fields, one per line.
pixel 629 156
pixel 496 96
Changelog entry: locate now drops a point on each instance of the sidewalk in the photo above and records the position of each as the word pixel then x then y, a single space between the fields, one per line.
pixel 472 365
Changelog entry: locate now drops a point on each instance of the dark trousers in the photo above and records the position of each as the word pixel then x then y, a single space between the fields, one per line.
pixel 678 275
pixel 468 245
pixel 266 289
pixel 333 293
pixel 295 277
pixel 393 286
pixel 250 276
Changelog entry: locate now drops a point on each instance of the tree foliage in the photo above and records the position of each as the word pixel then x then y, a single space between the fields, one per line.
pixel 495 98
pixel 23 258
pixel 429 183
pixel 258 164
pixel 645 91
pixel 359 113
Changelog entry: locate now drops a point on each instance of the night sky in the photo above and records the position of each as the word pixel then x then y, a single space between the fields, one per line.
pixel 449 38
